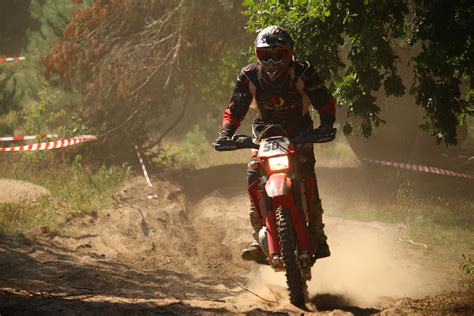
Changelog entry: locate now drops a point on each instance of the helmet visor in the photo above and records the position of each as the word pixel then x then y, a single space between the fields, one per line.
pixel 274 56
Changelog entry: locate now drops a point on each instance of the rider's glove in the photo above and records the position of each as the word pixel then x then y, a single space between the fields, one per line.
pixel 224 137
pixel 226 132
pixel 325 133
pixel 325 129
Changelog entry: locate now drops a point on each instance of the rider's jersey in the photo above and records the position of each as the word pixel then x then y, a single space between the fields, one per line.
pixel 284 102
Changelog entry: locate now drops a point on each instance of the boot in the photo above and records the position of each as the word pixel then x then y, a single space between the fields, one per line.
pixel 316 231
pixel 254 252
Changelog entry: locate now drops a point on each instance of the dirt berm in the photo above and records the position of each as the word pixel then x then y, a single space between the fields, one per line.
pixel 15 191
pixel 179 254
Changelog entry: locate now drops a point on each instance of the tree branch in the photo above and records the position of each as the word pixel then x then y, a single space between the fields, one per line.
pixel 175 123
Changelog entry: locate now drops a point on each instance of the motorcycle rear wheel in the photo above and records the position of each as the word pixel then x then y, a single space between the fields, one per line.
pixel 293 271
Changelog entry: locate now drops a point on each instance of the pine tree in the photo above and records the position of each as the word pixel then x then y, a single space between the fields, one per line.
pixel 35 25
pixel 51 16
pixel 8 102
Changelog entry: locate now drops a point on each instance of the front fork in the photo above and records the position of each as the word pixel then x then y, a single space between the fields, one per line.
pixel 296 199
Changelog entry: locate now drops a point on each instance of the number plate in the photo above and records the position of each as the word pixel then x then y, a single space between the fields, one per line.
pixel 273 147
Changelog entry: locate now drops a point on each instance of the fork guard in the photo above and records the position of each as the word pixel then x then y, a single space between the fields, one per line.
pixel 277 185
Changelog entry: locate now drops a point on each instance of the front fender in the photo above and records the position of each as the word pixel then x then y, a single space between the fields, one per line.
pixel 277 185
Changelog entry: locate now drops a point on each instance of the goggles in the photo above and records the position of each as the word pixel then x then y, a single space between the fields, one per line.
pixel 274 56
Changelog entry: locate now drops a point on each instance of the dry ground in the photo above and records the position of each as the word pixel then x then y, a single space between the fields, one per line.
pixel 179 254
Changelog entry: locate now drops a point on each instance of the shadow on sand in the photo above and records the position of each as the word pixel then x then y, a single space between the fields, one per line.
pixel 39 277
pixel 330 302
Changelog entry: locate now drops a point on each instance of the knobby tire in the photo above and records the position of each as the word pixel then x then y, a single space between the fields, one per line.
pixel 294 276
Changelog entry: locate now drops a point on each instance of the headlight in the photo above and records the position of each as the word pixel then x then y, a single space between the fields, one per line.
pixel 278 163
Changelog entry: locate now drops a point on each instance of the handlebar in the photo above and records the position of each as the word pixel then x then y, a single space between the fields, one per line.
pixel 244 141
pixel 235 143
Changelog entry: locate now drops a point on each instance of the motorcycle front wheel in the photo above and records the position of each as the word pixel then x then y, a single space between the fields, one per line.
pixel 293 271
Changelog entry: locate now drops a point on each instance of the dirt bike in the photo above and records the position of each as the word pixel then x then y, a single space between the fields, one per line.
pixel 282 197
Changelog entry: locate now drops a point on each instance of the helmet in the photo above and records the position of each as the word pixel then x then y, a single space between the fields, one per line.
pixel 274 49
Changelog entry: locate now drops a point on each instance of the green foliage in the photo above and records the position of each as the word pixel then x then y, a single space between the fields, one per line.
pixel 76 188
pixel 444 29
pixel 7 95
pixel 28 104
pixel 88 190
pixel 15 20
pixel 46 22
pixel 21 217
pixel 467 266
pixel 194 144
pixel 355 44
pixel 219 79
pixel 135 60
pixel 189 151
pixel 54 111
pixel 8 101
pixel 35 120
pixel 193 150
pixel 337 154
pixel 438 223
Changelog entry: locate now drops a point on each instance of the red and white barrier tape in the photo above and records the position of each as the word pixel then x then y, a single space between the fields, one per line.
pixel 29 137
pixel 150 196
pixel 16 58
pixel 51 145
pixel 420 168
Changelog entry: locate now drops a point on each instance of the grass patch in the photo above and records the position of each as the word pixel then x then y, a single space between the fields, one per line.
pixel 194 150
pixel 336 154
pixel 447 224
pixel 467 266
pixel 87 189
pixel 16 218
pixel 76 189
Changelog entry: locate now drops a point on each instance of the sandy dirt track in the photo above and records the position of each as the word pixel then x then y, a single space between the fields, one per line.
pixel 180 254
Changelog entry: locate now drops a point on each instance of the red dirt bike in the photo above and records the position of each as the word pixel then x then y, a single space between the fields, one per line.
pixel 281 197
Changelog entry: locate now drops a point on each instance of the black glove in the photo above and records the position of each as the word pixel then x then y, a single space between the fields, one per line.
pixel 223 140
pixel 324 133
pixel 325 129
pixel 226 132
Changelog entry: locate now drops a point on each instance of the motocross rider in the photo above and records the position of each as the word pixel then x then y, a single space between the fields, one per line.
pixel 280 88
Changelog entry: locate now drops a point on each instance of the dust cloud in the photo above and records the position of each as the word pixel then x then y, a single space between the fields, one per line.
pixel 368 265
pixel 369 262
